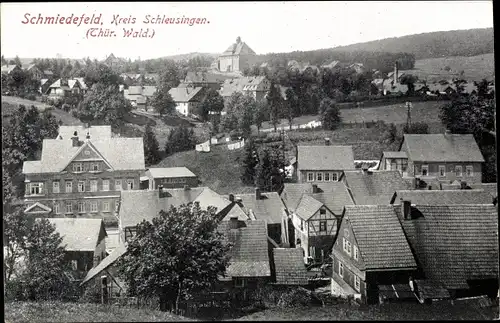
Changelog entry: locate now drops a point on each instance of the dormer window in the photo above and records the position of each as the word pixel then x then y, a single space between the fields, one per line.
pixel 77 168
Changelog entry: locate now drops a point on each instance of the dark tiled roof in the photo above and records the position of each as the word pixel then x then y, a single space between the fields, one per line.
pixel 186 94
pixel 442 148
pixel 290 268
pixel 381 240
pixel 249 253
pixel 325 158
pixel 269 207
pixel 454 243
pixel 79 234
pixel 333 194
pixel 238 49
pixel 374 187
pixel 442 197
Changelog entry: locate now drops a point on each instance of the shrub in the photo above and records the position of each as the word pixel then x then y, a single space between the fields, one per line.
pixel 91 293
pixel 14 290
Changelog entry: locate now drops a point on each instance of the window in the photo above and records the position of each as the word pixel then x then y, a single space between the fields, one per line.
pixel 322 211
pixel 322 226
pixel 69 207
pixel 93 207
pixel 302 225
pixel 404 165
pixel 425 170
pixel 94 167
pixel 81 186
pixel 77 168
pixel 319 177
pixel 335 177
pixel 81 207
pixel 347 247
pixel 130 184
pixel 357 283
pixel 469 171
pixel 105 206
pixel 327 177
pixel 56 208
pixel 356 255
pixel 36 188
pixel 341 269
pixel 458 171
pixel 105 184
pixel 310 177
pixel 239 282
pixel 93 185
pixel 69 187
pixel 118 185
pixel 55 187
pixel 442 170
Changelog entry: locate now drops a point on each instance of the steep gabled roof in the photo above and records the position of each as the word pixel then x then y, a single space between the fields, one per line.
pixel 374 187
pixel 325 158
pixel 249 253
pixel 105 263
pixel 307 207
pixel 268 208
pixel 454 243
pixel 240 48
pixel 185 94
pixel 442 148
pixel 289 266
pixel 443 197
pixel 121 153
pixel 333 195
pixel 380 238
pixel 79 234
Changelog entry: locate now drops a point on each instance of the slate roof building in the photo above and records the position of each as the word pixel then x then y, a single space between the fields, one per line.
pixel 84 241
pixel 236 57
pixel 136 206
pixel 323 163
pixel 441 157
pixel 370 249
pixel 373 187
pixel 187 99
pixel 314 211
pixel 205 79
pixel 443 197
pixel 64 87
pixel 256 86
pixel 456 246
pixel 170 177
pixel 82 172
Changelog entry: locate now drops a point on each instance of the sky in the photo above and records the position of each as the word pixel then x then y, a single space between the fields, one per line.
pixel 267 27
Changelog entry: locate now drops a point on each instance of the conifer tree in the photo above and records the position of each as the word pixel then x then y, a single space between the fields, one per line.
pixel 151 147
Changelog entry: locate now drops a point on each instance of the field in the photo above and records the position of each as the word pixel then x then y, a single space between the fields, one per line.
pixel 475 68
pixel 386 312
pixel 425 111
pixel 75 312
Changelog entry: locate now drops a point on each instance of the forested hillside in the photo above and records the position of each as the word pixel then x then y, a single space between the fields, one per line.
pixel 469 42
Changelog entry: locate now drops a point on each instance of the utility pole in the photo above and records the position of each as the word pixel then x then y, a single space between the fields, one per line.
pixel 408 118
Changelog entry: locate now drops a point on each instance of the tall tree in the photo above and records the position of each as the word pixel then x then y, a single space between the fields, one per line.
pixel 261 114
pixel 162 101
pixel 249 162
pixel 275 103
pixel 270 170
pixel 247 107
pixel 409 80
pixel 103 104
pixel 151 147
pixel 101 74
pixel 46 264
pixel 212 102
pixel 330 116
pixel 180 139
pixel 17 61
pixel 175 271
pixel 16 228
pixel 291 105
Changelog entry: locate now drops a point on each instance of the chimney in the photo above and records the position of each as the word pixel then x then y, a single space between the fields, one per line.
pixel 364 168
pixel 257 193
pixel 447 132
pixel 186 188
pixel 406 209
pixel 87 125
pixel 160 191
pixel 463 185
pixel 395 72
pixel 315 188
pixel 231 197
pixel 88 135
pixel 75 139
pixel 327 141
pixel 233 223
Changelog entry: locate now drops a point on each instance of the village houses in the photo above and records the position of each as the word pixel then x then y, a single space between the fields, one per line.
pixel 64 87
pixel 81 173
pixel 187 99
